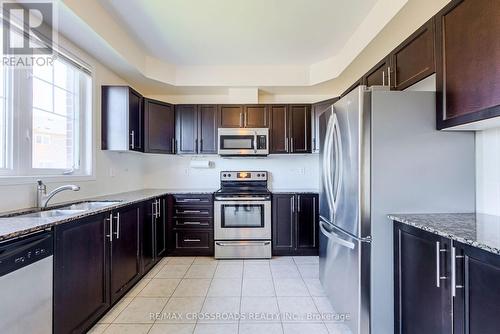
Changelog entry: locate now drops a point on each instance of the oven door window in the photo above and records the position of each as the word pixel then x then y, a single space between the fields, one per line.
pixel 242 215
pixel 236 142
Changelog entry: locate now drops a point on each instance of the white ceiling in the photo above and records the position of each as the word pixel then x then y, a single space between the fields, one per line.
pixel 241 32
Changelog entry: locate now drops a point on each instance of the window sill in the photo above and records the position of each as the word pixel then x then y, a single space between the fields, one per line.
pixel 18 180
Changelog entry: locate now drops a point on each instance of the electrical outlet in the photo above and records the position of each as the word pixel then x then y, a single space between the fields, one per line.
pixel 301 171
pixel 111 172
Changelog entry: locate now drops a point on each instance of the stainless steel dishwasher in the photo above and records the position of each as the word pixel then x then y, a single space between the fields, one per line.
pixel 26 284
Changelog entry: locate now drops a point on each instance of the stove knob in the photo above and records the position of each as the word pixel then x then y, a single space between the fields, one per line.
pixel 224 175
pixel 229 175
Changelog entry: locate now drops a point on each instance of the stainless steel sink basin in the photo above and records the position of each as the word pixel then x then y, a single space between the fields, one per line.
pixel 52 213
pixel 90 205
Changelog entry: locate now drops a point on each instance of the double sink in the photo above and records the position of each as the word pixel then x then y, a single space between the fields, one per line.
pixel 69 210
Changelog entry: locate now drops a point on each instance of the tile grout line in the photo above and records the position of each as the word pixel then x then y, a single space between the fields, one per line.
pixel 205 299
pixel 276 294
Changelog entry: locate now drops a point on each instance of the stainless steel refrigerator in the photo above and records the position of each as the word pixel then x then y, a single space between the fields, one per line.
pixel 380 154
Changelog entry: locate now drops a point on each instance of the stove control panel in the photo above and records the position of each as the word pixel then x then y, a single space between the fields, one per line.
pixel 243 176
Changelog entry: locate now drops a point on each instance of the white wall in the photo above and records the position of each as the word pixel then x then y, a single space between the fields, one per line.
pixel 488 171
pixel 287 172
pixel 127 168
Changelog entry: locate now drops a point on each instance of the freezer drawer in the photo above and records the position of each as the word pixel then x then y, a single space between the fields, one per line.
pixel 345 276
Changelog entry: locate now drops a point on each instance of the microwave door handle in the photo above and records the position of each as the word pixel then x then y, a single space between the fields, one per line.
pixel 255 141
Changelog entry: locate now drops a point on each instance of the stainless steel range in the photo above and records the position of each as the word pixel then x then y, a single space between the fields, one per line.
pixel 242 216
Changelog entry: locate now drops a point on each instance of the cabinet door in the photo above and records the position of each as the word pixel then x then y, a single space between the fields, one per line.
pixel 135 120
pixel 159 127
pixel 207 129
pixel 468 65
pixel 413 60
pixel 379 75
pixel 283 223
pixel 422 284
pixel 231 116
pixel 307 224
pixel 125 264
pixel 477 300
pixel 300 129
pixel 81 289
pixel 317 110
pixel 186 117
pixel 161 228
pixel 147 233
pixel 256 116
pixel 278 132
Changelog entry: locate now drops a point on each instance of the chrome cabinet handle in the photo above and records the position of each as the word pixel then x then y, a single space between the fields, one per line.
pixel 389 75
pixel 292 203
pixel 383 78
pixel 110 220
pixel 189 200
pixel 242 243
pixel 117 233
pixel 193 223
pixel 132 139
pixel 454 285
pixel 291 145
pixel 153 208
pixel 158 208
pixel 245 119
pixel 286 144
pixel 192 240
pixel 438 264
pixel 241 120
pixel 298 203
pixel 189 211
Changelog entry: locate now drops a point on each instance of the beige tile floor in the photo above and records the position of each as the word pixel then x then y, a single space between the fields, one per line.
pixel 219 293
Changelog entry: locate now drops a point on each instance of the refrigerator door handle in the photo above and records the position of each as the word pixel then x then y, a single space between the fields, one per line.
pixel 335 237
pixel 338 162
pixel 327 165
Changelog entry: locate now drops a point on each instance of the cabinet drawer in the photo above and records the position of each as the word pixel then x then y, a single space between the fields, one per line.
pixel 193 240
pixel 192 211
pixel 193 223
pixel 193 199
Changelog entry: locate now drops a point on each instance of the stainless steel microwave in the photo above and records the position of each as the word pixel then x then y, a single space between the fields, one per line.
pixel 243 141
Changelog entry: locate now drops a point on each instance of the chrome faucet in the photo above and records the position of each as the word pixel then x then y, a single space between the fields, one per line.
pixel 43 198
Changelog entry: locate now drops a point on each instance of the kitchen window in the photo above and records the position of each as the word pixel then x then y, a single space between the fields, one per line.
pixel 45 120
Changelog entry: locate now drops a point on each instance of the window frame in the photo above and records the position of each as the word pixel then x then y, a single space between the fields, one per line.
pixel 19 167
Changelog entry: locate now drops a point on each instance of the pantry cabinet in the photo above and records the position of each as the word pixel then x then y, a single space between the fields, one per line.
pixel 295 224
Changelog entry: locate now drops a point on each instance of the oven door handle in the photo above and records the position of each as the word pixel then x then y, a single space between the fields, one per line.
pixel 242 198
pixel 242 243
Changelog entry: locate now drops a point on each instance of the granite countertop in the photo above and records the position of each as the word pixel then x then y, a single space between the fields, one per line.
pixel 12 226
pixel 475 229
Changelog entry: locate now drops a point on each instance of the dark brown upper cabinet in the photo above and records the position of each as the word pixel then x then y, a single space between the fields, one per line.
pixel 196 129
pixel 413 60
pixel 380 74
pixel 186 128
pixel 468 63
pixel 244 116
pixel 159 127
pixel 256 116
pixel 279 131
pixel 300 129
pixel 121 118
pixel 231 116
pixel 207 129
pixel 290 128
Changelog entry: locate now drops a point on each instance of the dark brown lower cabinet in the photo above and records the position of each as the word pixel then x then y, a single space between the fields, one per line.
pixel 81 286
pixel 124 254
pixel 190 229
pixel 148 235
pixel 477 291
pixel 422 285
pixel 295 224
